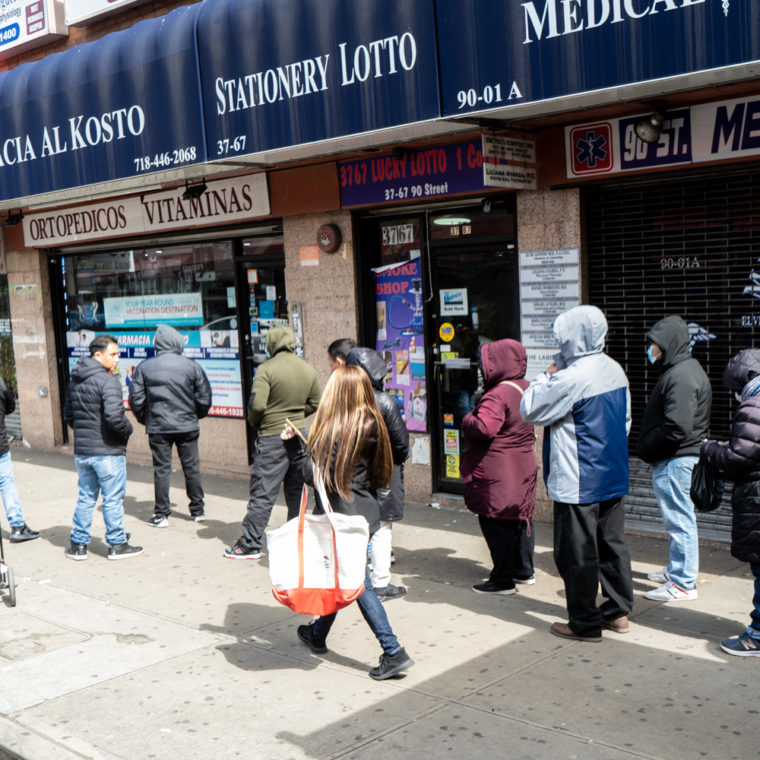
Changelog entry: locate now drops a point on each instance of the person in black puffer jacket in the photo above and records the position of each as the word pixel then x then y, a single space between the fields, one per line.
pixel 739 459
pixel 168 394
pixel 673 426
pixel 391 500
pixel 94 407
pixel 20 531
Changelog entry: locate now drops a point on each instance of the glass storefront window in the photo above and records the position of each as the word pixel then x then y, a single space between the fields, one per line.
pixel 129 293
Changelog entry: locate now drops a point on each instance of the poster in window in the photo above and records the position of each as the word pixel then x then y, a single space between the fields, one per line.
pixel 400 338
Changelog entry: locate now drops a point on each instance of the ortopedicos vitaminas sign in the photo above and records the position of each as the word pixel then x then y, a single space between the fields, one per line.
pixel 708 132
pixel 26 24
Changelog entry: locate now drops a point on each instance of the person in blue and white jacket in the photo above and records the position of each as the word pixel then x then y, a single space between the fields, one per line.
pixel 584 402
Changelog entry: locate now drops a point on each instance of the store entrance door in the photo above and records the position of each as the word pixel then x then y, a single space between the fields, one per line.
pixel 262 304
pixel 475 301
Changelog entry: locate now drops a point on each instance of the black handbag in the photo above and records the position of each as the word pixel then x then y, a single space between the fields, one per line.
pixel 706 486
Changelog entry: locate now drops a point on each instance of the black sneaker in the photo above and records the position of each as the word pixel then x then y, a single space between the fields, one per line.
pixel 392 665
pixel 306 634
pixel 21 533
pixel 77 551
pixel 238 551
pixel 493 588
pixel 123 551
pixel 159 521
pixel 386 593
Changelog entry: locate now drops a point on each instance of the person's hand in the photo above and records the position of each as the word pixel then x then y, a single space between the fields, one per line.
pixel 288 432
pixel 551 369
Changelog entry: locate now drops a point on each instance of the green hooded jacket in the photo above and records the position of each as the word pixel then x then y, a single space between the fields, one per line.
pixel 284 386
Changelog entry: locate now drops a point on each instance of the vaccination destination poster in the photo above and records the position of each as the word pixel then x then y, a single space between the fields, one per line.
pixel 215 350
pixel 398 298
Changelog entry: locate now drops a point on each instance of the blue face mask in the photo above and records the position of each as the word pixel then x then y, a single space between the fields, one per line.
pixel 650 355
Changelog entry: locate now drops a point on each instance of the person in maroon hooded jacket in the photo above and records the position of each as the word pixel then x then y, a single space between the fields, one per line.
pixel 499 467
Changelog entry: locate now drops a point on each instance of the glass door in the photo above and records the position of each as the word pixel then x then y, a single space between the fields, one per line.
pixel 262 304
pixel 475 301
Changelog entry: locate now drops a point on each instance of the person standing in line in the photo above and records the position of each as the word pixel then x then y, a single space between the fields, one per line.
pixel 284 386
pixel 20 531
pixel 499 466
pixel 739 460
pixel 349 445
pixel 168 394
pixel 94 408
pixel 391 500
pixel 337 352
pixel 583 400
pixel 674 424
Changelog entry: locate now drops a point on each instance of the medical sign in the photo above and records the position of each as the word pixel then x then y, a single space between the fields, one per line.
pixel 709 132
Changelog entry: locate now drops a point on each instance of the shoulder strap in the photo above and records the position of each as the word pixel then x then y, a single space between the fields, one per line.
pixel 514 385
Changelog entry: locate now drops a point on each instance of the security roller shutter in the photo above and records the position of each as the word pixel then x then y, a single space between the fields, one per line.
pixel 687 245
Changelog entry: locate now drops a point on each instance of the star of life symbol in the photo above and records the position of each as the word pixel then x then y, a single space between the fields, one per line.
pixel 591 149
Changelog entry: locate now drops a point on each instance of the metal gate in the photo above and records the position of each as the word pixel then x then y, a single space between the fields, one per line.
pixel 687 246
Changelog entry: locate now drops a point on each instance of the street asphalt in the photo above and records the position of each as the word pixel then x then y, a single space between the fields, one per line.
pixel 180 653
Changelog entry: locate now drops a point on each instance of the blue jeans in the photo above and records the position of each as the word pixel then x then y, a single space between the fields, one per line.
pixel 9 492
pixel 106 474
pixel 374 613
pixel 672 481
pixel 753 629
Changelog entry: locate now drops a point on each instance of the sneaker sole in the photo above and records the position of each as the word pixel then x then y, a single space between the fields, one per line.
pixel 76 558
pixel 745 653
pixel 164 524
pixel 244 556
pixel 21 540
pixel 503 592
pixel 113 557
pixel 200 518
pixel 671 598
pixel 526 582
pixel 397 672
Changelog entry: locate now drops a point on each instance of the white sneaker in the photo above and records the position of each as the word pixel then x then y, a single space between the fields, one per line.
pixel 660 576
pixel 669 592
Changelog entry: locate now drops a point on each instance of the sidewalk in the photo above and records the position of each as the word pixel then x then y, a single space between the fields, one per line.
pixel 180 653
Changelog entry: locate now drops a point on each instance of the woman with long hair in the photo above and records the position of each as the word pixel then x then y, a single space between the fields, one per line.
pixel 349 445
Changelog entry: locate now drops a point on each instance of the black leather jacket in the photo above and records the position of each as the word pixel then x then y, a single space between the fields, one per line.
pixel 391 500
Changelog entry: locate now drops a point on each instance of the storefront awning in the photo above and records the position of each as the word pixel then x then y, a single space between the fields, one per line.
pixel 124 106
pixel 279 75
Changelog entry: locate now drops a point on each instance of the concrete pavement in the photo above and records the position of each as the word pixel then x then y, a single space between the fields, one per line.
pixel 180 653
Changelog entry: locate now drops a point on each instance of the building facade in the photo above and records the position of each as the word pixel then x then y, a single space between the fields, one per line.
pixel 423 176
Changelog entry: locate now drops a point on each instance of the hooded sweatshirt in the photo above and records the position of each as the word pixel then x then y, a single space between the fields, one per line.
pixel 739 457
pixel 284 386
pixel 169 392
pixel 677 415
pixel 586 406
pixel 94 407
pixel 499 463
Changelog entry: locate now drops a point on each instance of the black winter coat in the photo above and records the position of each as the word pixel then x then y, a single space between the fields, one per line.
pixel 391 499
pixel 739 458
pixel 169 392
pixel 364 496
pixel 677 415
pixel 7 406
pixel 95 409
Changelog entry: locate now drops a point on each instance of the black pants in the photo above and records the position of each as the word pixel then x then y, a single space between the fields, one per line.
pixel 187 450
pixel 271 469
pixel 511 549
pixel 589 548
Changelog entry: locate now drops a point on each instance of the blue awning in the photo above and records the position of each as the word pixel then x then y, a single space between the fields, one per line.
pixel 123 106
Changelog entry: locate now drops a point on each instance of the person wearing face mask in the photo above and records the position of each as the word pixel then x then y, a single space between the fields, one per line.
pixel 674 424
